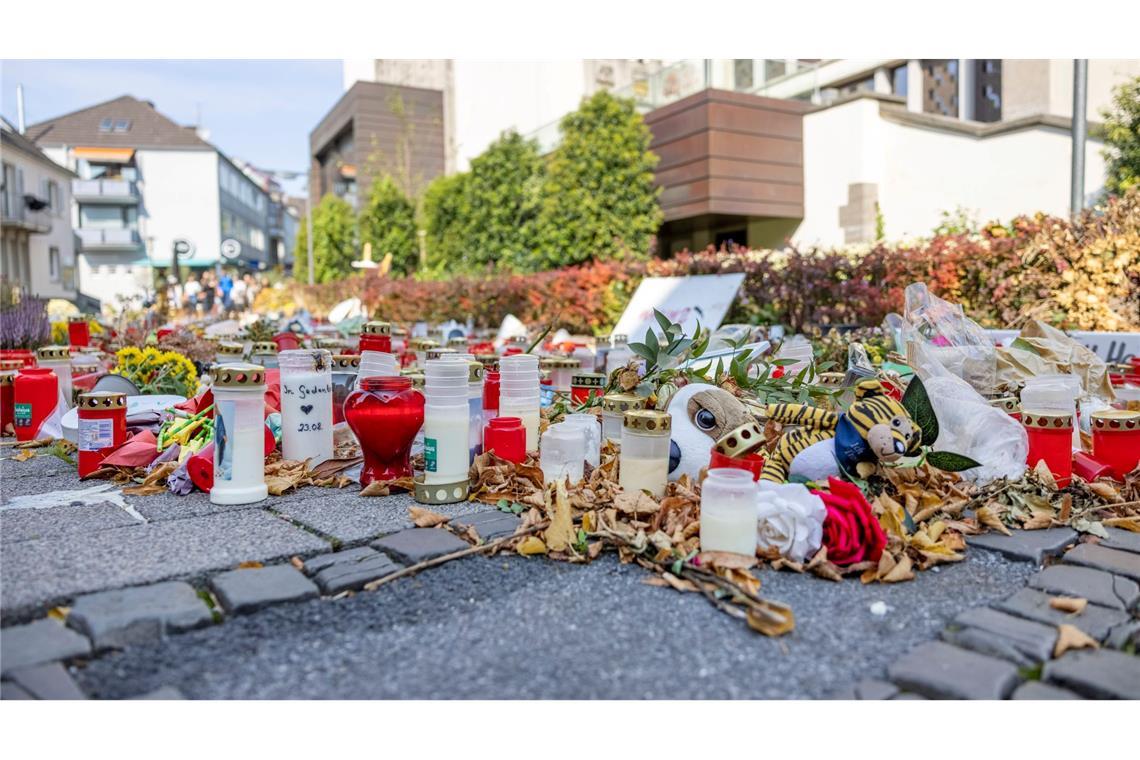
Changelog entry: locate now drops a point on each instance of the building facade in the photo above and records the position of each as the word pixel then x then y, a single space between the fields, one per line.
pixel 145 186
pixel 37 243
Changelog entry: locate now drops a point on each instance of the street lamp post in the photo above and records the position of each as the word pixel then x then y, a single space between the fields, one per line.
pixel 1080 133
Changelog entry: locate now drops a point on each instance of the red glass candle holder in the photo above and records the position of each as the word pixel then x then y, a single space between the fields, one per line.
pixel 385 413
pixel 8 369
pixel 78 331
pixel 491 382
pixel 506 436
pixel 287 341
pixel 587 385
pixel 1088 468
pixel 35 395
pixel 1116 440
pixel 376 336
pixel 754 463
pixel 1050 440
pixel 102 428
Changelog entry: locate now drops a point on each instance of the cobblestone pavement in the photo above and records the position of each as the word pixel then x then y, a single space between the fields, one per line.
pixel 158 609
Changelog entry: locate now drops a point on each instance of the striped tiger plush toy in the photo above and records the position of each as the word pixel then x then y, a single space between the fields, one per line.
pixel 874 427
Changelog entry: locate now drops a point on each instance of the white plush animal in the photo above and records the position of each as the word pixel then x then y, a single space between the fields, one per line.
pixel 701 414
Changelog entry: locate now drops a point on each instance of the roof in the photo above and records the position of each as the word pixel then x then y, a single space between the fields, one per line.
pixel 148 128
pixel 13 140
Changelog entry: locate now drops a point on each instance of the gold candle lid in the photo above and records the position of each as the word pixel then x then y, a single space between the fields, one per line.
pixel 487 360
pixel 1115 419
pixel 78 318
pixel 457 342
pixel 648 421
pixel 344 362
pixel 237 376
pixel 475 371
pixel 741 441
pixel 438 352
pixel 1046 420
pixel 622 402
pixel 102 400
pixel 53 353
pixel 376 328
pixel 588 380
pixel 520 340
pixel 832 379
pixel 1007 404
pixel 264 347
pixel 10 364
pixel 559 362
pixel 328 343
pixel 230 349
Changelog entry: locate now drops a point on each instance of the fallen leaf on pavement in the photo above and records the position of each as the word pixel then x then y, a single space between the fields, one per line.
pixel 1071 637
pixel 24 455
pixel 561 534
pixel 297 562
pixel 251 565
pixel 531 545
pixel 425 518
pixel 59 613
pixel 148 490
pixel 636 503
pixel 727 560
pixel 1075 605
pixel 771 619
pixel 900 572
pixel 1126 523
pixel 988 517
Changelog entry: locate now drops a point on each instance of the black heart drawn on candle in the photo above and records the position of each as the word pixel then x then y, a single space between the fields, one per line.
pixel 307 408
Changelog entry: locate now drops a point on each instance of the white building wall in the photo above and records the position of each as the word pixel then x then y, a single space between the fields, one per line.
pixel 180 200
pixel 61 235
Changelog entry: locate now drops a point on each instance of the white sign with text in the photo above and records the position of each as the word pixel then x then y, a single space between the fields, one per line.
pixel 685 300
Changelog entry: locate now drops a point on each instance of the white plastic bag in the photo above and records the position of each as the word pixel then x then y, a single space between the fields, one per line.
pixel 968 425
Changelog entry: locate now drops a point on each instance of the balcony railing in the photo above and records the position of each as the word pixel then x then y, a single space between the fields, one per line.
pixel 17 215
pixel 93 239
pixel 105 191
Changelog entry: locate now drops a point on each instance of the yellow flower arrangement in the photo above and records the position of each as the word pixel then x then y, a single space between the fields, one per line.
pixel 157 372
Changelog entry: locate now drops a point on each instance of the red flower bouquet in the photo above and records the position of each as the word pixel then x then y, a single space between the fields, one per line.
pixel 851 531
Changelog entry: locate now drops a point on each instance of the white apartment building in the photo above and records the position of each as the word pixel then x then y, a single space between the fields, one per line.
pixel 37 244
pixel 818 152
pixel 145 186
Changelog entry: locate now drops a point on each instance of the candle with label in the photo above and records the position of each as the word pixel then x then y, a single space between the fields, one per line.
pixel 306 405
pixel 239 434
pixel 102 428
pixel 446 421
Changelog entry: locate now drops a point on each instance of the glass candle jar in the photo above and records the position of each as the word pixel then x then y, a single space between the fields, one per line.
pixel 264 353
pixel 377 364
pixel 739 448
pixel 376 336
pixel 1116 440
pixel 506 436
pixel 586 385
pixel 385 413
pixel 562 453
pixel 561 371
pixel 239 434
pixel 592 428
pixel 58 359
pixel 228 352
pixel 35 397
pixel 728 512
pixel 519 393
pixel 421 346
pixel 344 370
pixel 78 330
pixel 446 422
pixel 306 405
pixel 614 407
pixel 102 427
pixel 644 462
pixel 1050 440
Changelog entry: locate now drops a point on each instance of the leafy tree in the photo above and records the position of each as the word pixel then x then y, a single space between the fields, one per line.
pixel 388 222
pixel 1122 138
pixel 598 196
pixel 502 202
pixel 334 247
pixel 444 223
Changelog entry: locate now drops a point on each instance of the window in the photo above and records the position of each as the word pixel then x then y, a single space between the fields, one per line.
pixel 51 194
pixel 106 125
pixel 53 264
pixel 108 217
pixel 859 85
pixel 898 80
pixel 774 68
pixel 122 125
pixel 987 90
pixel 940 86
pixel 742 73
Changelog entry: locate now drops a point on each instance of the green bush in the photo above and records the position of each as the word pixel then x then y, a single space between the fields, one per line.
pixel 444 222
pixel 598 196
pixel 334 244
pixel 1122 138
pixel 388 222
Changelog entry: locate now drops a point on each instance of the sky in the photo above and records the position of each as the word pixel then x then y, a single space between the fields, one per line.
pixel 261 111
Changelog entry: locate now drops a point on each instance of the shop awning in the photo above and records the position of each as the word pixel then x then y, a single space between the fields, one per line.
pixel 106 155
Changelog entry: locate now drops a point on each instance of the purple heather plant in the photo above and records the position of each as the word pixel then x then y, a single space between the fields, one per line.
pixel 25 324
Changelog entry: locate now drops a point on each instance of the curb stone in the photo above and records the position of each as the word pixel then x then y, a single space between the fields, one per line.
pixel 39 642
pixel 250 589
pixel 115 619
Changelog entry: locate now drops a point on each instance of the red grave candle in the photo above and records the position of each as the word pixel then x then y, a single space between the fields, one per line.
pixel 587 385
pixel 8 369
pixel 385 413
pixel 1051 441
pixel 506 436
pixel 376 336
pixel 35 395
pixel 78 330
pixel 102 428
pixel 740 448
pixel 1116 440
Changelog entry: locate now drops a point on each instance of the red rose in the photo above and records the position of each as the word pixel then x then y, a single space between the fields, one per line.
pixel 851 532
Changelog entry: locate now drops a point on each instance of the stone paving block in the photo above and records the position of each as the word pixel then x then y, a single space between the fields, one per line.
pixel 249 589
pixel 1033 639
pixel 355 519
pixel 1096 586
pixel 942 671
pixel 42 641
pixel 1099 674
pixel 52 522
pixel 161 693
pixel 46 572
pixel 910 696
pixel 490 525
pixel 48 681
pixel 420 544
pixel 114 619
pixel 1034 605
pixel 1125 540
pixel 314 565
pixel 9 690
pixel 352 573
pixel 1026 545
pixel 1113 561
pixel 985 642
pixel 1125 634
pixel 1037 690
pixel 875 689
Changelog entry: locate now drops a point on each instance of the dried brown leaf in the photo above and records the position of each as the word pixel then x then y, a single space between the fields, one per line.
pixel 988 517
pixel 425 518
pixel 900 572
pixel 1071 637
pixel 531 545
pixel 560 536
pixel 726 560
pixel 771 619
pixel 1071 604
pixel 636 503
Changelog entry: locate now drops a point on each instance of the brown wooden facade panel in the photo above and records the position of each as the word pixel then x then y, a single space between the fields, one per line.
pixel 755 120
pixel 755 148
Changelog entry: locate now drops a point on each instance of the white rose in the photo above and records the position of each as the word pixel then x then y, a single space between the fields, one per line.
pixel 789 519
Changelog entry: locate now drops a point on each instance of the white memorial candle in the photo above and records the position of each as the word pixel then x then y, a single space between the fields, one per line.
pixel 306 405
